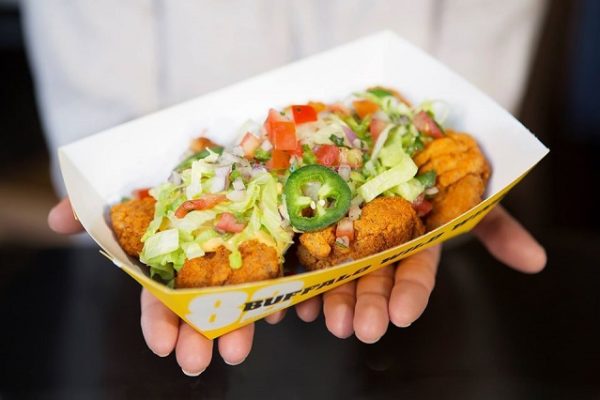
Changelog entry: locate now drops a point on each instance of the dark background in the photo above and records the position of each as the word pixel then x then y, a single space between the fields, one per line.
pixel 70 322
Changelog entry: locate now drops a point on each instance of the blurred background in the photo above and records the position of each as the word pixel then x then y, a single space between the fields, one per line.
pixel 528 337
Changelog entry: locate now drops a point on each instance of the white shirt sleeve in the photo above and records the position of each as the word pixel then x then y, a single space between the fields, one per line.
pixel 94 65
pixel 491 43
pixel 100 63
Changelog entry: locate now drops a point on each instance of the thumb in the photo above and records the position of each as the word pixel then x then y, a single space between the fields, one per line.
pixel 61 218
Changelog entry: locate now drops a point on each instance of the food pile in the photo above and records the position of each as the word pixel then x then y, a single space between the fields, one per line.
pixel 351 178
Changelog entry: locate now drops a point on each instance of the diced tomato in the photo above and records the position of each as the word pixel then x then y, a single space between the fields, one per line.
pixel 249 144
pixel 205 202
pixel 376 127
pixel 318 106
pixel 427 125
pixel 339 108
pixel 141 193
pixel 228 223
pixel 365 107
pixel 281 131
pixel 345 228
pixel 328 155
pixel 304 114
pixel 279 160
pixel 200 144
pixel 422 206
pixel 297 151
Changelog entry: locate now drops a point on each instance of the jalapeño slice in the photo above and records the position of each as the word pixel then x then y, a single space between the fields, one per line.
pixel 315 197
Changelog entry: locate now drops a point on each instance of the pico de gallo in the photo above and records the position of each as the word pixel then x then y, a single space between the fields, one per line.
pixel 304 168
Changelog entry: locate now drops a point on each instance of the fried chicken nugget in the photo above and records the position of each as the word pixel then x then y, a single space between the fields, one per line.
pixel 462 175
pixel 130 220
pixel 259 262
pixel 385 222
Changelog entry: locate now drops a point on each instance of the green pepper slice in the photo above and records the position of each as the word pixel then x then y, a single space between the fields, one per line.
pixel 187 163
pixel 316 197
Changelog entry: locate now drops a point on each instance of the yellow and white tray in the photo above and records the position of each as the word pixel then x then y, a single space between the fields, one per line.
pixel 101 169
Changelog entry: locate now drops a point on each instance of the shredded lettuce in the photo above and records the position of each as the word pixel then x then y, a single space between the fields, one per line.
pixel 192 221
pixel 262 198
pixel 271 219
pixel 201 169
pixel 192 250
pixel 166 196
pixel 402 172
pixel 160 244
pixel 163 254
pixel 193 235
pixel 409 190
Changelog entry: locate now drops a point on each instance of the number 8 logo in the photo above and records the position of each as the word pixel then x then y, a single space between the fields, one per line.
pixel 214 311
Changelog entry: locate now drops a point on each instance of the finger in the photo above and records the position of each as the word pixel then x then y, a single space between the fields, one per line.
pixel 371 317
pixel 276 317
pixel 193 351
pixel 61 218
pixel 413 282
pixel 235 346
pixel 160 326
pixel 507 240
pixel 309 309
pixel 338 307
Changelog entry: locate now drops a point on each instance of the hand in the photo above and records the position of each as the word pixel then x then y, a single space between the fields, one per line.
pixel 366 306
pixel 162 329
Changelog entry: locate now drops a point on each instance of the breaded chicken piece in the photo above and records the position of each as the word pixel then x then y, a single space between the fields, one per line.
pixel 455 200
pixel 259 262
pixel 130 220
pixel 462 175
pixel 385 222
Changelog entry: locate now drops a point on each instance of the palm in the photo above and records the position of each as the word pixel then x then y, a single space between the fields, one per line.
pixel 363 307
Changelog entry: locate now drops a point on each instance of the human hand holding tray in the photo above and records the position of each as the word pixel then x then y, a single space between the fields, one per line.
pixel 143 152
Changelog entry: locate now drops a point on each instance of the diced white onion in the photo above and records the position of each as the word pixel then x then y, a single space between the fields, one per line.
pixel 229 158
pixel 357 143
pixel 223 171
pixel 238 151
pixel 344 172
pixel 381 139
pixel 238 184
pixel 257 171
pixel 246 171
pixel 249 126
pixel 380 115
pixel 217 184
pixel 266 145
pixel 343 241
pixel 175 178
pixel 357 201
pixel 431 191
pixel 354 213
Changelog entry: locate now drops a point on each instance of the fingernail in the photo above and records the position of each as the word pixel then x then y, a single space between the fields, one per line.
pixel 234 363
pixel 51 217
pixel 405 326
pixel 162 355
pixel 372 341
pixel 192 374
